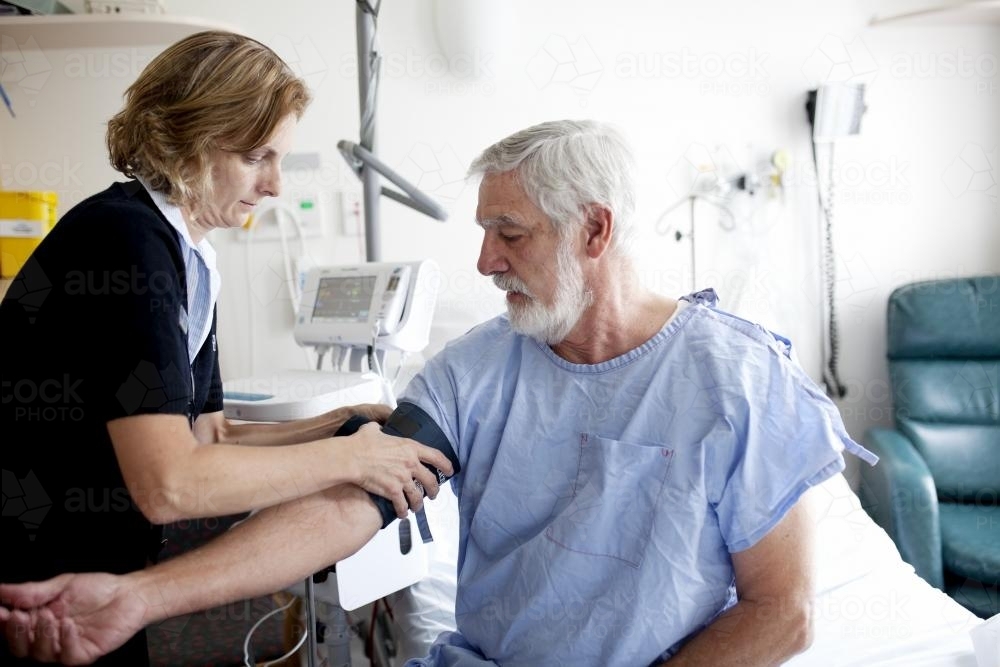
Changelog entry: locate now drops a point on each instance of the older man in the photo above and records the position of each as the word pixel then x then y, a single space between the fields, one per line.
pixel 632 466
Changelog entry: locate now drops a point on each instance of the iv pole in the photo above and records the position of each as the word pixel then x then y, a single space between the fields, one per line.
pixel 362 160
pixel 361 157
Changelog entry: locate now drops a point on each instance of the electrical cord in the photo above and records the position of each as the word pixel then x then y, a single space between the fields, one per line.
pixel 831 374
pixel 399 369
pixel 248 257
pixel 373 361
pixel 248 660
pixel 292 284
pixel 320 353
pixel 370 646
pixel 291 279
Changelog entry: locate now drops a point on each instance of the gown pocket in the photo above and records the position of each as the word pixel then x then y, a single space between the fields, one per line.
pixel 614 501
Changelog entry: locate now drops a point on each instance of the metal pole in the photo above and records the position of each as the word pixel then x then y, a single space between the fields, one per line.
pixel 367 71
pixel 339 651
pixel 338 637
pixel 312 644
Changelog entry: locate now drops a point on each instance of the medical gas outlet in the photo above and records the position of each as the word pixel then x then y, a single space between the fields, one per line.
pixel 293 213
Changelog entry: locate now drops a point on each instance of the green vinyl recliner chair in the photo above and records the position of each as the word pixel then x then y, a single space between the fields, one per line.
pixel 935 489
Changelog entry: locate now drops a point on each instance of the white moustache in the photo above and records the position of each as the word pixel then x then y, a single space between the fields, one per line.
pixel 511 284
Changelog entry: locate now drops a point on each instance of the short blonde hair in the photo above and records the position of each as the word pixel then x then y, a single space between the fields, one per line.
pixel 212 90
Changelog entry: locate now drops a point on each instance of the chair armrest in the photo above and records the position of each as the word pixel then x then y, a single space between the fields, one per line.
pixel 899 494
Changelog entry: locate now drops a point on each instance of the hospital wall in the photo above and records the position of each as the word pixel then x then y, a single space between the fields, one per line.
pixel 717 85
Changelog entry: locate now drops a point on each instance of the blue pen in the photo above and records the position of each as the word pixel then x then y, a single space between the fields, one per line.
pixel 6 100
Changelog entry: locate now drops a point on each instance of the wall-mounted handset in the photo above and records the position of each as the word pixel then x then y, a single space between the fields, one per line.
pixel 392 299
pixel 834 111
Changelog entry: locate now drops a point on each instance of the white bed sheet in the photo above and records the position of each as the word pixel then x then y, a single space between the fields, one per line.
pixel 872 610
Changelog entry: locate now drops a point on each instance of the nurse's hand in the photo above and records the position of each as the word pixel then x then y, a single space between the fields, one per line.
pixel 388 466
pixel 73 618
pixel 375 412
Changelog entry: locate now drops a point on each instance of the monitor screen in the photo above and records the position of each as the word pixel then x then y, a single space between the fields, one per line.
pixel 343 299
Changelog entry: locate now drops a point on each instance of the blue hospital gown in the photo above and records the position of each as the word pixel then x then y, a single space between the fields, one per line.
pixel 599 503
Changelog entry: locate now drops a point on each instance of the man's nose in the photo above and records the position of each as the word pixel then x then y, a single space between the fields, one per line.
pixel 490 258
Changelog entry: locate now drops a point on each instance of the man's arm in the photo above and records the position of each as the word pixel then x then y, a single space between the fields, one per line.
pixel 76 618
pixel 772 620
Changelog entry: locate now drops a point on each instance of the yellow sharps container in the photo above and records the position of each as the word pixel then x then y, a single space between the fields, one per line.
pixel 25 218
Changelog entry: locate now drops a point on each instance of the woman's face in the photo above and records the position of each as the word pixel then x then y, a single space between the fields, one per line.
pixel 241 181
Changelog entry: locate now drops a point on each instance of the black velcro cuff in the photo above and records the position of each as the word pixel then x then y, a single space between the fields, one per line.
pixel 407 421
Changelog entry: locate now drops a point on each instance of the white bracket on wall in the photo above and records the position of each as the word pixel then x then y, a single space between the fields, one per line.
pixel 294 213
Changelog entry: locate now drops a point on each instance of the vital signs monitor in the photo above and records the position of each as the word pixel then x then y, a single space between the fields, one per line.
pixel 363 309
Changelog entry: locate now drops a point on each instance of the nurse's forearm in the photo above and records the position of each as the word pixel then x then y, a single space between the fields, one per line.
pixel 215 428
pixel 285 433
pixel 268 552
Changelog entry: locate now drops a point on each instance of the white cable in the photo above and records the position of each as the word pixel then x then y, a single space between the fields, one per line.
pixel 374 364
pixel 399 369
pixel 373 361
pixel 292 284
pixel 251 339
pixel 246 642
pixel 291 281
pixel 293 287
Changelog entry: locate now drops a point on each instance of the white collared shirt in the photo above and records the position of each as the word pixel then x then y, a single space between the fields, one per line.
pixel 203 279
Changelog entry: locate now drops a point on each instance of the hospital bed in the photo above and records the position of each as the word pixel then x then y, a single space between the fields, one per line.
pixel 871 608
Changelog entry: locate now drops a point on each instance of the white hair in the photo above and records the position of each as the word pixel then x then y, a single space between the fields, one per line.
pixel 566 165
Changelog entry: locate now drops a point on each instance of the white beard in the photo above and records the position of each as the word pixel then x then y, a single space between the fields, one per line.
pixel 550 324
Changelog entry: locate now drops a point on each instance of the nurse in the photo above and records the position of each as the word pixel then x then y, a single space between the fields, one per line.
pixel 112 397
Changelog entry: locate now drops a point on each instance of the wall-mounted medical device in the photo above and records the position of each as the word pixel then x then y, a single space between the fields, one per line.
pixel 834 111
pixel 363 311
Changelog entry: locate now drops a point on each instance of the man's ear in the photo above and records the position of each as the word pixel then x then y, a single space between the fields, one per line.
pixel 599 225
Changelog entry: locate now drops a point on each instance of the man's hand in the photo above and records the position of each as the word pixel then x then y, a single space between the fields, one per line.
pixel 73 618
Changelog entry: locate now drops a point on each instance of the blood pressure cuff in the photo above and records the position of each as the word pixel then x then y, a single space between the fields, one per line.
pixel 408 421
